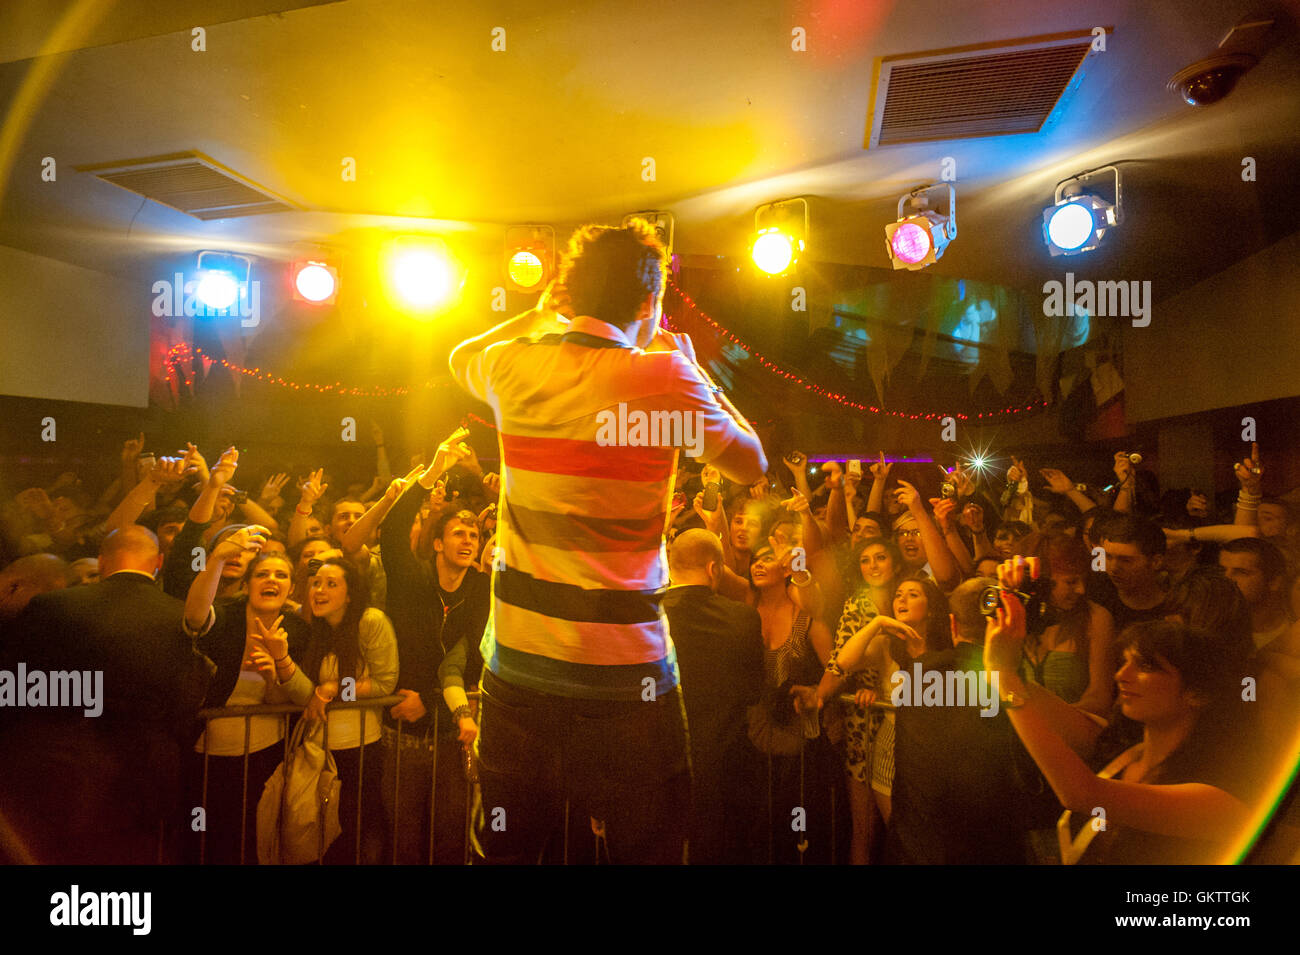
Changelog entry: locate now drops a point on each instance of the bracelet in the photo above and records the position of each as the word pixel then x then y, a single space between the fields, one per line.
pixel 461 713
pixel 299 510
pixel 833 667
pixel 281 659
pixel 1191 534
pixel 807 582
pixel 323 699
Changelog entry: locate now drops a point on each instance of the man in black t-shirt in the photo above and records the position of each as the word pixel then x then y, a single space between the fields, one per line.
pixel 1135 550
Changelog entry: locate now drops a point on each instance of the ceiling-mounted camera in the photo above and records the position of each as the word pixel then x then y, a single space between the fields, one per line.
pixel 1209 80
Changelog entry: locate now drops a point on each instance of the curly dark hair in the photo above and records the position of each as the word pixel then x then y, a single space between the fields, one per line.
pixel 608 272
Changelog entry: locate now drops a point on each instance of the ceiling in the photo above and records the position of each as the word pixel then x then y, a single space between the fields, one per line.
pixel 449 135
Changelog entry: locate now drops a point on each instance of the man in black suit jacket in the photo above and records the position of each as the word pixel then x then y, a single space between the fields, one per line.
pixel 959 795
pixel 98 788
pixel 720 657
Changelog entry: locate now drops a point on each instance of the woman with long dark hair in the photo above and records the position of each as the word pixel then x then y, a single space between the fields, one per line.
pixel 1178 796
pixel 882 646
pixel 350 640
pixel 879 565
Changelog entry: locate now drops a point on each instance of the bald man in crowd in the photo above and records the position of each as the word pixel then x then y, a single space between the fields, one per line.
pixel 25 578
pixel 99 779
pixel 720 657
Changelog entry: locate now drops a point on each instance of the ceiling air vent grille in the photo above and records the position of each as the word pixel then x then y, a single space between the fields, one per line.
pixel 993 89
pixel 192 183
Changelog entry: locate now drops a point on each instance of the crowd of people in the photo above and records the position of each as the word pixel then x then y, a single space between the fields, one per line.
pixel 792 605
pixel 706 659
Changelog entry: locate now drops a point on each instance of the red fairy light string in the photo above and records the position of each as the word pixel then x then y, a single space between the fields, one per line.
pixel 782 372
pixel 184 351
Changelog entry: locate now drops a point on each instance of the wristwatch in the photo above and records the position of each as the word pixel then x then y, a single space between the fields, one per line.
pixel 461 713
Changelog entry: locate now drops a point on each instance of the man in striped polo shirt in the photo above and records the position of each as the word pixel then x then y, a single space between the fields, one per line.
pixel 580 690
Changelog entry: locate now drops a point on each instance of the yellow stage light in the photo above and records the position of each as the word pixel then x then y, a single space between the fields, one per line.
pixel 424 275
pixel 774 251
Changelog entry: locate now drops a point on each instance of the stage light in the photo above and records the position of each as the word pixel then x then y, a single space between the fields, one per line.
pixel 218 289
pixel 774 252
pixel 315 282
pixel 529 256
pixel 780 235
pixel 1077 220
pixel 423 274
pixel 221 277
pixel 921 234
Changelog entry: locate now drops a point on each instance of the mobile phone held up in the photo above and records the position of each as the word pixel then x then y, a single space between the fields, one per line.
pixel 855 467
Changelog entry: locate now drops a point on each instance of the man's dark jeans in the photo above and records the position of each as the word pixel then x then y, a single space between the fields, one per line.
pixel 624 764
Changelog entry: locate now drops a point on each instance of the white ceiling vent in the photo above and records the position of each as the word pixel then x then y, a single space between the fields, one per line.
pixel 192 183
pixel 991 89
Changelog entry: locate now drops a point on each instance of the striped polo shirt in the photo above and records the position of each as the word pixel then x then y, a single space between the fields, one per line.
pixel 589 427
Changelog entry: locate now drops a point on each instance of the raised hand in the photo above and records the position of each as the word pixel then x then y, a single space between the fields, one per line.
pixel 795 461
pixel 963 480
pixel 132 448
pixel 311 490
pixel 796 502
pixel 1123 467
pixel 450 453
pixel 908 496
pixel 1198 506
pixel 1017 472
pixel 274 637
pixel 1249 472
pixel 555 298
pixel 397 485
pixel 712 519
pixel 252 537
pixel 834 474
pixel 168 471
pixel 270 492
pixel 195 462
pixel 438 496
pixel 1057 481
pixel 377 433
pixel 880 469
pixel 972 516
pixel 492 483
pixel 220 475
pixel 944 507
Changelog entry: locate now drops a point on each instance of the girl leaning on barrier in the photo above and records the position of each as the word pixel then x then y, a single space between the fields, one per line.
pixel 252 642
pixel 883 646
pixel 1179 796
pixel 350 640
pixel 879 564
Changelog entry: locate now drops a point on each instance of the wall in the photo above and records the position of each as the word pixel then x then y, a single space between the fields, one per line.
pixel 70 333
pixel 1232 339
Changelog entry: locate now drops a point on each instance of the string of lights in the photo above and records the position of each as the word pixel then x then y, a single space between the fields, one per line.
pixel 185 351
pixel 843 400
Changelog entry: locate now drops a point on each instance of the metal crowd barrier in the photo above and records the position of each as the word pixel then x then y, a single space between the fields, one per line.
pixel 287 710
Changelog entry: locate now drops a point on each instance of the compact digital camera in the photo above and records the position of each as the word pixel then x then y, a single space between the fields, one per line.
pixel 1036 596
